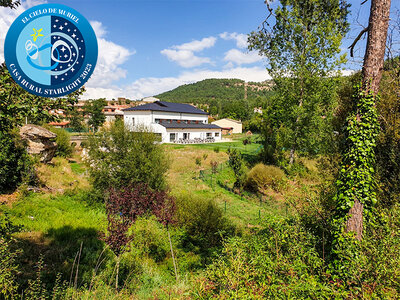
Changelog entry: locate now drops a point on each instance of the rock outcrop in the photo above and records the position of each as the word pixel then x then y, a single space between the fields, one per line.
pixel 40 141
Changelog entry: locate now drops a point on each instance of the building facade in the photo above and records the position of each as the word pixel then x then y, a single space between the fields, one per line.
pixel 174 122
pixel 229 123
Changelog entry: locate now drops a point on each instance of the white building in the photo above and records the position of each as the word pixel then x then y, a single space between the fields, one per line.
pixel 236 126
pixel 173 121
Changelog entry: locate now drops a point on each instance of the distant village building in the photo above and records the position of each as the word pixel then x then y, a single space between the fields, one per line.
pixel 63 124
pixel 174 122
pixel 229 123
pixel 114 112
pixel 258 110
pixel 150 99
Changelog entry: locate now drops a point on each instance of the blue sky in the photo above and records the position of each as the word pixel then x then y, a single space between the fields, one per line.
pixel 150 46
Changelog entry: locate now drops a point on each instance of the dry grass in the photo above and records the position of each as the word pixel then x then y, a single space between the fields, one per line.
pixel 59 175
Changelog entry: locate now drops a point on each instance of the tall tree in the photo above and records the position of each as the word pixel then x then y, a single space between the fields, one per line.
pixel 303 50
pixel 94 109
pixel 356 191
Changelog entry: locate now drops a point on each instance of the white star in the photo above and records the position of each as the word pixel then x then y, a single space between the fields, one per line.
pixel 61 27
pixel 77 62
pixel 69 65
pixel 62 78
pixel 73 36
pixel 66 24
pixel 65 55
pixel 69 30
pixel 66 74
pixel 57 20
pixel 63 49
pixel 74 29
pixel 56 76
pixel 72 69
pixel 82 56
pixel 60 67
pixel 54 26
pixel 73 54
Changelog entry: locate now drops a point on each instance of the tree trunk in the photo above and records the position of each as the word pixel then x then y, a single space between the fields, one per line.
pixel 372 74
pixel 376 44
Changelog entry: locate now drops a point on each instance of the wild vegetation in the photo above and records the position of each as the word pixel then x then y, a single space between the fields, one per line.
pixel 308 208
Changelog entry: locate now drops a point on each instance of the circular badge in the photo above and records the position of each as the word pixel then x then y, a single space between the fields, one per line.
pixel 51 50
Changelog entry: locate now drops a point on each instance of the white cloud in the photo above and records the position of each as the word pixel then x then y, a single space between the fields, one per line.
pixel 184 55
pixel 111 57
pixel 8 15
pixel 240 38
pixel 154 85
pixel 196 45
pixel 239 57
pixel 185 58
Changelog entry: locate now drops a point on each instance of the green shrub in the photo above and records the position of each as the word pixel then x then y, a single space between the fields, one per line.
pixel 84 144
pixel 63 141
pixel 198 161
pixel 8 256
pixel 261 177
pixel 118 157
pixel 203 222
pixel 15 164
pixel 205 155
pixel 150 238
pixel 216 149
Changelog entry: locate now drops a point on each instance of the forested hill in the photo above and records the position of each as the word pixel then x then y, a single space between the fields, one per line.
pixel 232 98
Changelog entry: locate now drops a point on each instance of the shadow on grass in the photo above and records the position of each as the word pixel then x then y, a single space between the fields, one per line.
pixel 58 249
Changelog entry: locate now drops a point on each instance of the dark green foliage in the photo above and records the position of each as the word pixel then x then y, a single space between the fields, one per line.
pixel 284 260
pixel 278 262
pixel 237 164
pixel 19 105
pixel 8 256
pixel 388 141
pixel 198 161
pixel 119 157
pixel 203 222
pixel 356 176
pixel 10 3
pixel 76 119
pixel 302 45
pixel 15 163
pixel 94 109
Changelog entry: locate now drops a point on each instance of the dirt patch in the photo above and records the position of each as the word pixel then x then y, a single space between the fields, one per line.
pixel 9 199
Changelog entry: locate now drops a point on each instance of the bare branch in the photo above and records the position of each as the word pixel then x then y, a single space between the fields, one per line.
pixel 364 2
pixel 351 47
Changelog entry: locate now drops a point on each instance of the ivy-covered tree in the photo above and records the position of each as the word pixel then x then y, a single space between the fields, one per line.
pixel 356 185
pixel 301 40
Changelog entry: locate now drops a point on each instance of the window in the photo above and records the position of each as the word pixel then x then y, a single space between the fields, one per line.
pixel 133 121
pixel 209 135
pixel 172 137
pixel 217 134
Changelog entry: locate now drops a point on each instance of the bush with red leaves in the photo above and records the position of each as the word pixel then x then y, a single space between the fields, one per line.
pixel 126 204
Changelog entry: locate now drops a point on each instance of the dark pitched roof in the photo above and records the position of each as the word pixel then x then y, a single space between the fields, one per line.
pixel 191 125
pixel 168 106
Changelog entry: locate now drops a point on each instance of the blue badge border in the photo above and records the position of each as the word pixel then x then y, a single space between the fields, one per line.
pixel 87 33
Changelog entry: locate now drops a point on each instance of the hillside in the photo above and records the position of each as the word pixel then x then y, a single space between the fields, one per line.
pixel 233 98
